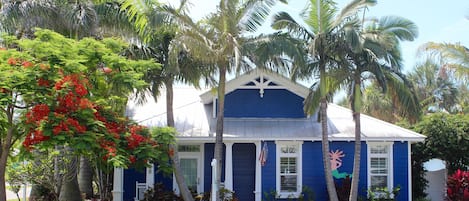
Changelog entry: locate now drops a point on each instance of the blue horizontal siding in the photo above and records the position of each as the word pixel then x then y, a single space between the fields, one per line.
pixel 209 149
pixel 276 103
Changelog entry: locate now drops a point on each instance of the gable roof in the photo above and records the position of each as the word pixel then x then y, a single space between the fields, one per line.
pixel 258 79
pixel 194 122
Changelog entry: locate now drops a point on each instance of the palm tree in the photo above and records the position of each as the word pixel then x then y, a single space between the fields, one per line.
pixel 218 42
pixel 376 56
pixel 322 32
pixel 453 56
pixel 433 86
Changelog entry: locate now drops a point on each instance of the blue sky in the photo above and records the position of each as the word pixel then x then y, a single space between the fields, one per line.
pixel 438 20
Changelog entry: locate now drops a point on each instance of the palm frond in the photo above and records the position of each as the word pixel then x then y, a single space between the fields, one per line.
pixel 321 15
pixel 399 27
pixel 254 13
pixel 283 20
pixel 351 9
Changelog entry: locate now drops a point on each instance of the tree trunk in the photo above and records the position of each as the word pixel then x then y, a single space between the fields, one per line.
pixel 85 177
pixel 181 182
pixel 70 190
pixel 356 157
pixel 218 155
pixel 5 150
pixel 325 152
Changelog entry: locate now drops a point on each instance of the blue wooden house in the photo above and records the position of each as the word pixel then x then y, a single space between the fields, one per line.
pixel 270 144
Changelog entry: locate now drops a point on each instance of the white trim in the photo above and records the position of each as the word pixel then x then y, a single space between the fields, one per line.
pixel 258 185
pixel 389 155
pixel 200 166
pixel 195 139
pixel 118 185
pixel 409 170
pixel 150 176
pixel 299 156
pixel 229 166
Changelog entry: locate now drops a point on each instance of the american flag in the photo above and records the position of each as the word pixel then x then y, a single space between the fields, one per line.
pixel 263 155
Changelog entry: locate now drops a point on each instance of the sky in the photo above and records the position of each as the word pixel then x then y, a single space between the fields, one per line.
pixel 443 21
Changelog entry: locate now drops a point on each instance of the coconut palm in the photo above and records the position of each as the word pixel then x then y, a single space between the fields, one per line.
pixel 322 31
pixel 376 56
pixel 218 41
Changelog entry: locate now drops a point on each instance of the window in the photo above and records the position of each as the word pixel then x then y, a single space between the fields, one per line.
pixel 191 163
pixel 289 169
pixel 380 166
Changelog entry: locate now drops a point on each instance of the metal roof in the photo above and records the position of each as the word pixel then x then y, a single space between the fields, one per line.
pixel 194 122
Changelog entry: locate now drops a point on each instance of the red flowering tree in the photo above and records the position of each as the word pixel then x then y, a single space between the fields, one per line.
pixel 73 93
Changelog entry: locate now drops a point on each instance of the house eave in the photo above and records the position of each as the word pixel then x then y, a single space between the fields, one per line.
pixel 185 139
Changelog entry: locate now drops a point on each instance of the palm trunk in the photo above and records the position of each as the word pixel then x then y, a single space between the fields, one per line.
pixel 183 190
pixel 356 157
pixel 218 155
pixel 70 190
pixel 85 177
pixel 325 152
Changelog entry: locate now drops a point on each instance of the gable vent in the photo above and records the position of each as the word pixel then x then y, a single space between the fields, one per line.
pixel 262 82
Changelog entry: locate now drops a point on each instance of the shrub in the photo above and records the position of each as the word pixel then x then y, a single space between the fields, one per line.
pixel 458 186
pixel 383 194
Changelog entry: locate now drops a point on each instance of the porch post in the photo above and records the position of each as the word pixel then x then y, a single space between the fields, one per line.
pixel 150 176
pixel 118 185
pixel 258 187
pixel 229 166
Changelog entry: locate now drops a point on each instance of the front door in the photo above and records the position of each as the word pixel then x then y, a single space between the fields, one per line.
pixel 244 170
pixel 190 172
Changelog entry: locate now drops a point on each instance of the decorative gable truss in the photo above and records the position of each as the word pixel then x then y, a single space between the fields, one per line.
pixel 261 79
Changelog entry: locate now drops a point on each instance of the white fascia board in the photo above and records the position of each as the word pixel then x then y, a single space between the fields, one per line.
pixel 286 138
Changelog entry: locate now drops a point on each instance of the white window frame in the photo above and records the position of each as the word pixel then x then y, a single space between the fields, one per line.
pixel 389 156
pixel 299 160
pixel 200 170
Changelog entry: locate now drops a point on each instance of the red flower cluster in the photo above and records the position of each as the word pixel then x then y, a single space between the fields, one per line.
pixel 134 140
pixel 65 126
pixel 12 61
pixel 110 147
pixel 33 138
pixel 132 159
pixel 43 82
pixel 74 98
pixel 113 128
pixel 37 113
pixel 27 64
pixel 458 186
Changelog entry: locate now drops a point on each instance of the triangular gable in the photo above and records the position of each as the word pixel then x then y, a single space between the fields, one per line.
pixel 258 79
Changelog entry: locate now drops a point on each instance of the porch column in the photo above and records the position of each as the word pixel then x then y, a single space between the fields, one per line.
pixel 118 185
pixel 229 166
pixel 150 176
pixel 258 185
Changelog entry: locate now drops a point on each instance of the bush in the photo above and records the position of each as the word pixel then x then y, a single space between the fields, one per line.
pixel 458 186
pixel 383 194
pixel 159 193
